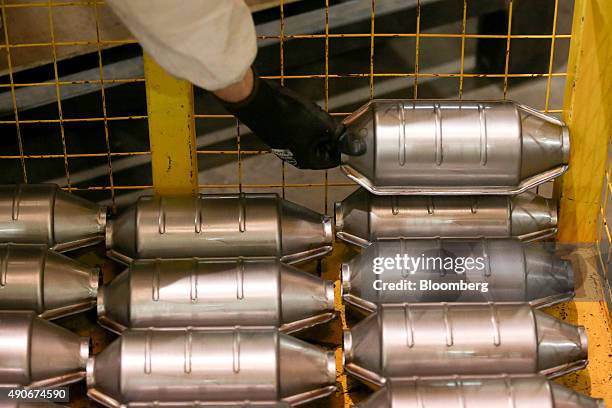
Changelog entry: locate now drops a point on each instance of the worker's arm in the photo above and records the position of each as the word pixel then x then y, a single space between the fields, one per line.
pixel 297 129
pixel 212 43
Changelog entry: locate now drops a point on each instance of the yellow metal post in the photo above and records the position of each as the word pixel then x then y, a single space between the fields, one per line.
pixel 171 131
pixel 588 112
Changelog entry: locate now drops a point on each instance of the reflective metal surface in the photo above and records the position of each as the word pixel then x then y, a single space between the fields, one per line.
pixel 213 367
pixel 203 404
pixel 45 214
pixel 362 218
pixel 458 392
pixel 36 353
pixel 511 270
pixel 455 147
pixel 200 293
pixel 218 226
pixel 53 285
pixel 462 339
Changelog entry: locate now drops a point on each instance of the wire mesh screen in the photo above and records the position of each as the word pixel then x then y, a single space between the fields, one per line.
pixel 342 54
pixel 73 103
pixel 61 118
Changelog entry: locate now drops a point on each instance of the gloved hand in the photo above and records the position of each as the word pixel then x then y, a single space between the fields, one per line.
pixel 296 129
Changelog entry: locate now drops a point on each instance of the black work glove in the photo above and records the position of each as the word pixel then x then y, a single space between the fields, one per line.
pixel 296 129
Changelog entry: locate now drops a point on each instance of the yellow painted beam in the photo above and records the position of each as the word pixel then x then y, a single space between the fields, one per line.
pixel 587 110
pixel 171 131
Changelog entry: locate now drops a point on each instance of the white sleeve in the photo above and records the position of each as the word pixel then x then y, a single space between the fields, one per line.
pixel 211 43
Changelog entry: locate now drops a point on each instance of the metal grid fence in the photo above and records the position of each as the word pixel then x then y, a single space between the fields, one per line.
pixel 326 184
pixel 22 123
pixel 320 183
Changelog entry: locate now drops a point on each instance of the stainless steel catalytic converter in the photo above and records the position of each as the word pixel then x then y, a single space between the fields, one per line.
pixel 454 147
pixel 207 293
pixel 362 218
pixel 462 339
pixel 218 226
pixel 53 285
pixel 45 214
pixel 497 270
pixel 466 392
pixel 178 366
pixel 36 353
pixel 245 404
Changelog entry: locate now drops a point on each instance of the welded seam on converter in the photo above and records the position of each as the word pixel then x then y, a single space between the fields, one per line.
pixel 430 206
pixel 474 206
pixel 408 326
pixel 419 394
pixel 402 135
pixel 460 393
pixel 193 282
pixel 16 202
pixel 147 352
pixel 4 266
pixel 448 326
pixel 495 323
pixel 161 220
pixel 483 134
pixel 188 350
pixel 236 351
pixel 198 215
pixel 240 279
pixel 241 213
pixel 155 289
pixel 487 258
pixel 510 392
pixel 395 206
pixel 438 118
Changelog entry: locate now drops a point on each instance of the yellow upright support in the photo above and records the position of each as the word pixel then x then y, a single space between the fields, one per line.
pixel 588 112
pixel 171 131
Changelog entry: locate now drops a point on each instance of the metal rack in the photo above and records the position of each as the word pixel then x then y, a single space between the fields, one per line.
pixel 174 152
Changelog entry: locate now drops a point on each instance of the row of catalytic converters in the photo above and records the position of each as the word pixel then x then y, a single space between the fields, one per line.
pixel 204 307
pixel 454 180
pixel 217 261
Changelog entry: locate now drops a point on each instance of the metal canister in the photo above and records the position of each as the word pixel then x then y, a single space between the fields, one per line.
pixel 454 147
pixel 363 218
pixel 466 392
pixel 178 366
pixel 37 353
pixel 215 292
pixel 211 225
pixel 53 285
pixel 449 270
pixel 45 214
pixel 462 339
